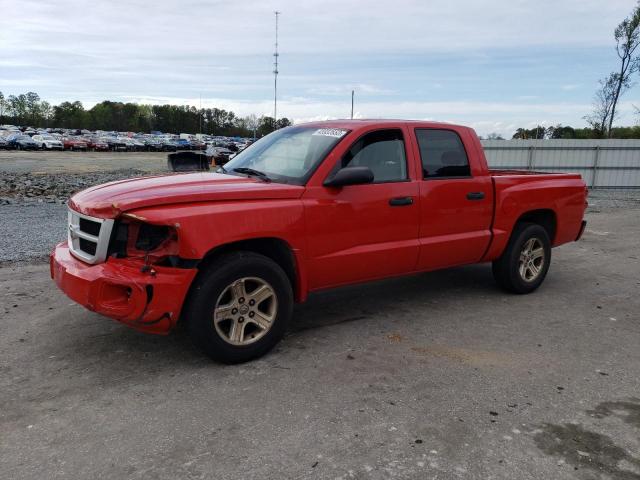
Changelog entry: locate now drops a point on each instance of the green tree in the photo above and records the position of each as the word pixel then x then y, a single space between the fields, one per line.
pixel 627 36
pixel 283 122
pixel 32 103
pixel 3 107
pixel 18 108
pixel 70 115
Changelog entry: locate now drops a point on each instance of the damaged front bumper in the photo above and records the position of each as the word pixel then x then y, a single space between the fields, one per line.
pixel 146 298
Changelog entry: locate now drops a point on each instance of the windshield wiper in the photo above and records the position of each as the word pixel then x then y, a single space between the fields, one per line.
pixel 252 172
pixel 221 169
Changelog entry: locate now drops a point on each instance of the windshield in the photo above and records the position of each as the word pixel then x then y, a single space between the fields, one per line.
pixel 289 155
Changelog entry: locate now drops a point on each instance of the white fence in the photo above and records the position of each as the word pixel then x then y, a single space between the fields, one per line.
pixel 602 163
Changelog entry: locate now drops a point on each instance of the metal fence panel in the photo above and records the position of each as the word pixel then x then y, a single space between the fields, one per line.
pixel 602 163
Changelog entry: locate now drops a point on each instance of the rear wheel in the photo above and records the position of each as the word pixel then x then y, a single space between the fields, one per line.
pixel 524 264
pixel 239 308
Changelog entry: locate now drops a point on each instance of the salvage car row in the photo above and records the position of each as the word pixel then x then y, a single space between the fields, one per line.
pixel 14 138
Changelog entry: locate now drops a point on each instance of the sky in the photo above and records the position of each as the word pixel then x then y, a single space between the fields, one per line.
pixel 492 64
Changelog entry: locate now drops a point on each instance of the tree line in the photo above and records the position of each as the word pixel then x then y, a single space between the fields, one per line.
pixel 28 109
pixel 567 132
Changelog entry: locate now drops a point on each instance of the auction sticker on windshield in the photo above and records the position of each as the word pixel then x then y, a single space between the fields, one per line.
pixel 330 132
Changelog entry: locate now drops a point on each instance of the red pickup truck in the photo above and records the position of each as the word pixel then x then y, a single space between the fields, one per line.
pixel 306 208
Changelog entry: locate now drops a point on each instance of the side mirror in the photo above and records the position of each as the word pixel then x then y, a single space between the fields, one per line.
pixel 350 176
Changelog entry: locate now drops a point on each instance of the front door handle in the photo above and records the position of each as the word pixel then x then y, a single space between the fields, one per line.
pixel 475 195
pixel 401 201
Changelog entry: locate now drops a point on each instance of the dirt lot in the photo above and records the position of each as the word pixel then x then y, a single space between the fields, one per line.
pixel 439 375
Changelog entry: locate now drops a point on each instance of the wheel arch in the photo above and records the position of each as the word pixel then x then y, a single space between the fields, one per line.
pixel 277 249
pixel 545 217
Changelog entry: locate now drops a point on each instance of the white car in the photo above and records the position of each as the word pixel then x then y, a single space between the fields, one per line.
pixel 47 142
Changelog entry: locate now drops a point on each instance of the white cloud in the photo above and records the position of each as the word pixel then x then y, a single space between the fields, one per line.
pixel 171 51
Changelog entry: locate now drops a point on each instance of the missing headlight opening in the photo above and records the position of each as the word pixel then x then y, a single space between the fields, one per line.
pixel 137 239
pixel 151 237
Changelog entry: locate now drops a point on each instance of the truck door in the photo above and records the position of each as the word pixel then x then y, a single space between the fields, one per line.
pixel 456 202
pixel 368 231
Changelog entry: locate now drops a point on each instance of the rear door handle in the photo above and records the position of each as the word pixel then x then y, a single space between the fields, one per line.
pixel 401 201
pixel 475 195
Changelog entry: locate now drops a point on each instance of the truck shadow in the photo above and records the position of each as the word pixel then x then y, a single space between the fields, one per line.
pixel 97 338
pixel 585 449
pixel 394 296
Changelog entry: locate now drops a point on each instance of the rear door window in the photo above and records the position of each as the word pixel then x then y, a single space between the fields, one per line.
pixel 442 154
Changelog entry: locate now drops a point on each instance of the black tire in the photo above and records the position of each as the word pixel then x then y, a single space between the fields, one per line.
pixel 506 269
pixel 211 284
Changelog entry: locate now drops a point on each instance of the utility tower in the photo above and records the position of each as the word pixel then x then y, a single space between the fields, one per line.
pixel 275 74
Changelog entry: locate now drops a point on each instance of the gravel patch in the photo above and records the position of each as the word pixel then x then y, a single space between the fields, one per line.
pixel 30 231
pixel 33 211
pixel 604 199
pixel 55 188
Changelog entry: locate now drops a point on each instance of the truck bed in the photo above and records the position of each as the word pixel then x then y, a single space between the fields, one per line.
pixel 513 172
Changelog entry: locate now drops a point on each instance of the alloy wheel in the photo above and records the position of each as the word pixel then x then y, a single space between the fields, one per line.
pixel 245 311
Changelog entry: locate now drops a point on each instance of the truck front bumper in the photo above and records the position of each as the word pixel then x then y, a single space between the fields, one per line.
pixel 147 299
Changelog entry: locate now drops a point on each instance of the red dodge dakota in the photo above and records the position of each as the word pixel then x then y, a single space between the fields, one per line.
pixel 306 208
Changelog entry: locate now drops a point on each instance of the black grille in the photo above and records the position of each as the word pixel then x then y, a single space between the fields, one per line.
pixel 88 246
pixel 90 227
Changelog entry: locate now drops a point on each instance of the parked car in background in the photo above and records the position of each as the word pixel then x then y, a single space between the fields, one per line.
pixel 72 143
pixel 4 145
pixel 97 145
pixel 133 145
pixel 22 142
pixel 182 144
pixel 115 144
pixel 169 146
pixel 47 142
pixel 153 144
pixel 198 145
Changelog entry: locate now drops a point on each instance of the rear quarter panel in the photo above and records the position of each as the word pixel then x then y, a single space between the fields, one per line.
pixel 518 194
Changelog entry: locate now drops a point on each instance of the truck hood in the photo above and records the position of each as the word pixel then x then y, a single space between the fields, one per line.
pixel 110 199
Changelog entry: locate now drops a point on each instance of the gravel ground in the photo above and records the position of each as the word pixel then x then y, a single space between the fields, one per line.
pixel 55 188
pixel 33 209
pixel 438 376
pixel 30 230
pixel 605 199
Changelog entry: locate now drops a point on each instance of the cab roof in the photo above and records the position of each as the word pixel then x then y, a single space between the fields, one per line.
pixel 367 122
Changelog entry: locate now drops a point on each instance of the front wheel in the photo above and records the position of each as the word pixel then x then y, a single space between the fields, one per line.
pixel 238 308
pixel 524 264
